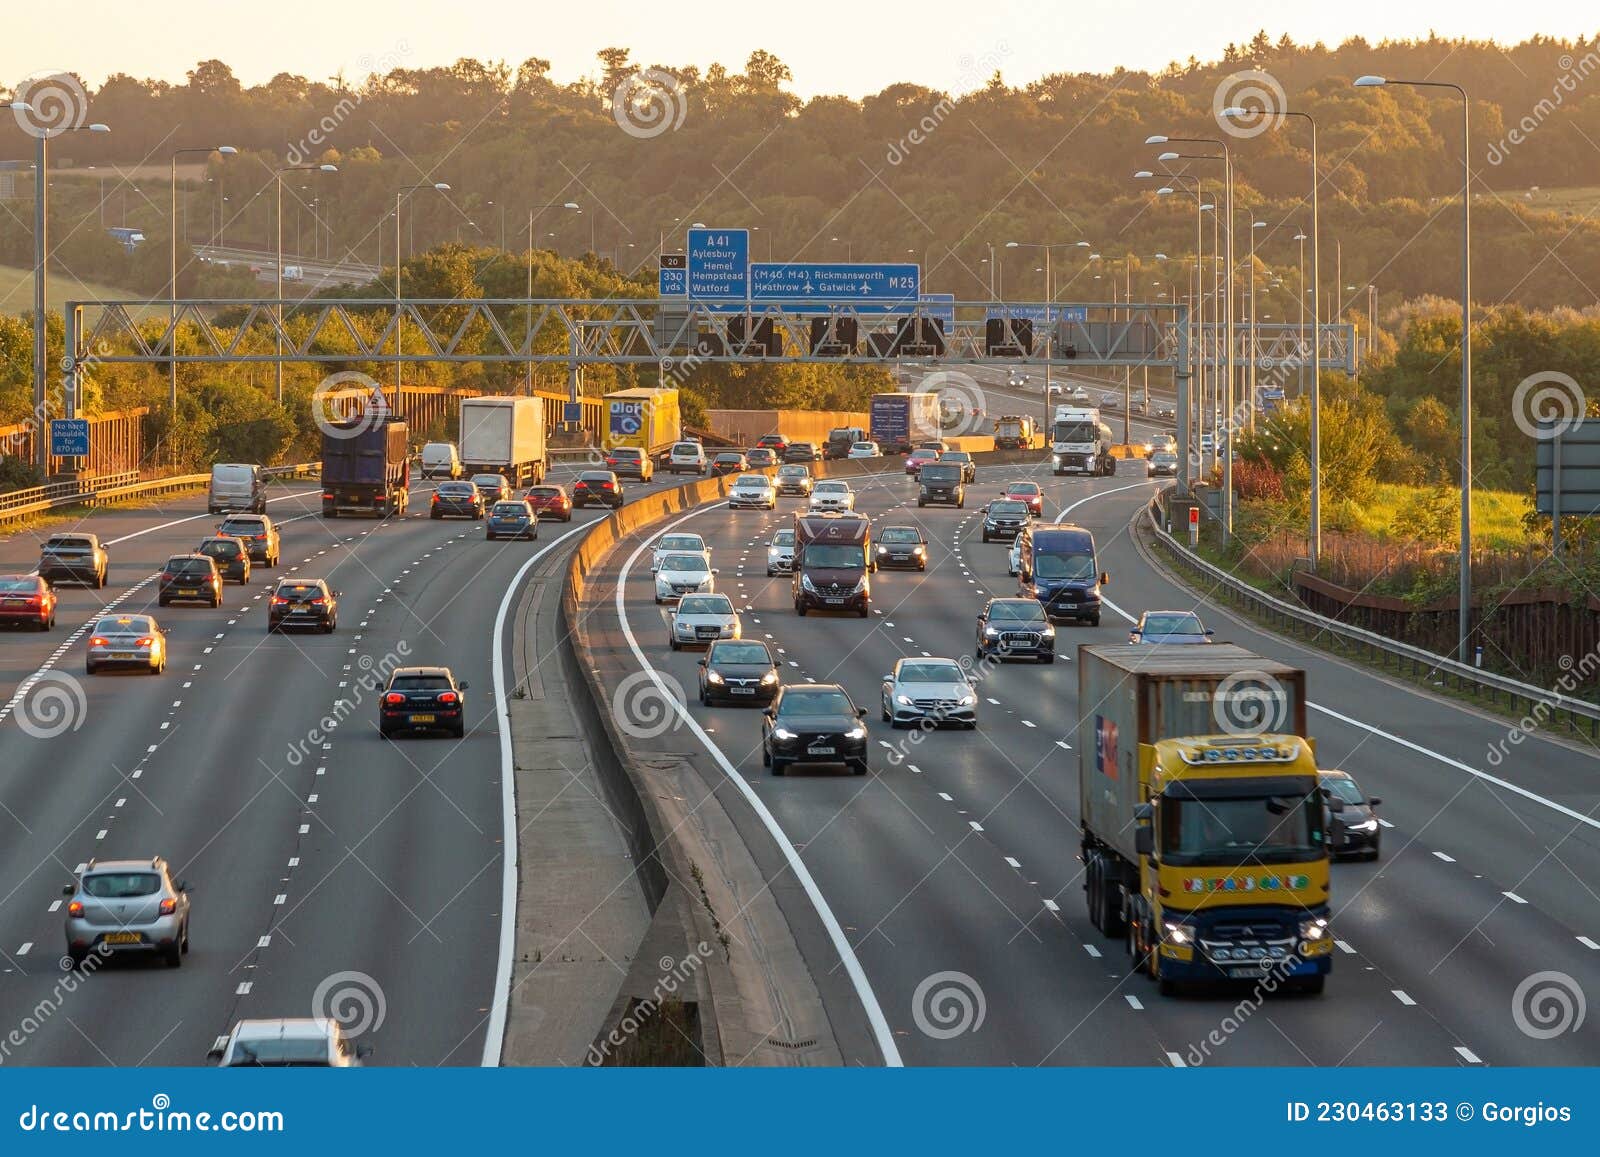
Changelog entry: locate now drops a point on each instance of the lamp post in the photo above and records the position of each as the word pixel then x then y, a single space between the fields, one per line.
pixel 41 252
pixel 1196 404
pixel 1301 238
pixel 1255 333
pixel 990 247
pixel 1049 304
pixel 277 175
pixel 1464 614
pixel 172 277
pixel 533 211
pixel 849 247
pixel 399 317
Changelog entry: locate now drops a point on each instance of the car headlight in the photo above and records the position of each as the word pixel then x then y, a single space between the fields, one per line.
pixel 1365 826
pixel 783 733
pixel 920 550
pixel 992 632
pixel 857 732
pixel 883 550
pixel 1315 928
pixel 903 700
pixel 1048 633
pixel 969 699
pixel 713 677
pixel 861 585
pixel 1176 932
pixel 805 584
pixel 769 678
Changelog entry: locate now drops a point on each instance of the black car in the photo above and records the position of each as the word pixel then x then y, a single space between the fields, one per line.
pixel 492 487
pixel 1016 629
pixel 902 546
pixel 458 499
pixel 729 462
pixel 1004 518
pixel 1352 819
pixel 190 578
pixel 814 723
pixel 597 486
pixel 422 699
pixel 303 602
pixel 74 558
pixel 942 482
pixel 800 452
pixel 761 457
pixel 738 671
pixel 231 554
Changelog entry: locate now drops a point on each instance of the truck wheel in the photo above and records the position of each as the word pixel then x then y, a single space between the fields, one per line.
pixel 1111 467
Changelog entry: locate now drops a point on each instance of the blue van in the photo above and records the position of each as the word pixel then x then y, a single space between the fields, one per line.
pixel 1057 566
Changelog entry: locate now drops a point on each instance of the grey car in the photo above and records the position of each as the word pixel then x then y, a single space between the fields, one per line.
pixel 74 558
pixel 929 689
pixel 780 553
pixel 131 906
pixel 126 641
pixel 703 619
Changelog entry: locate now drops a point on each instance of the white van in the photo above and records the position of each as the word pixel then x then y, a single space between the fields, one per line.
pixel 441 460
pixel 237 486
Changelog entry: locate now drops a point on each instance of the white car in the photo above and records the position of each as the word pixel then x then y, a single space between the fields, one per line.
pixel 937 690
pixel 684 574
pixel 290 1042
pixel 703 619
pixel 832 494
pixel 1078 394
pixel 780 553
pixel 753 490
pixel 794 478
pixel 1014 556
pixel 687 458
pixel 677 544
pixel 865 450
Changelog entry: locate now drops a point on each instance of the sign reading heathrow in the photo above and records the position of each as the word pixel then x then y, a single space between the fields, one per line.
pixel 672 276
pixel 69 437
pixel 941 306
pixel 718 265
pixel 1036 312
pixel 834 283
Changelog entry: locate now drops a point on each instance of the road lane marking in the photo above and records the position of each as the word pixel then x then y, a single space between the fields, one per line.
pixel 1468 1055
pixel 1445 858
pixel 1344 946
pixel 1133 1002
pixel 1092 951
pixel 1402 996
pixel 1513 897
pixel 1175 1060
pixel 1013 862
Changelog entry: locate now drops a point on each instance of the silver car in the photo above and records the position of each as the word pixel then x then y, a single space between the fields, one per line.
pixel 129 906
pixel 1014 556
pixel 703 619
pixel 677 544
pixel 126 641
pixel 780 553
pixel 289 1042
pixel 684 574
pixel 753 490
pixel 936 690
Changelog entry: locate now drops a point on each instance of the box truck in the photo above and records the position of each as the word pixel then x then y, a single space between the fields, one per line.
pixel 503 435
pixel 366 467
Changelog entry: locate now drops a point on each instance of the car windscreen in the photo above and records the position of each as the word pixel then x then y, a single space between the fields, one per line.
pixel 941 472
pixel 121 885
pixel 899 534
pixel 122 625
pixel 488 480
pixel 457 489
pixel 593 477
pixel 1343 788
pixel 625 452
pixel 220 549
pixel 1063 566
pixel 680 542
pixel 816 703
pixel 299 591
pixel 233 526
pixel 288 1051
pixel 740 653
pixel 831 556
pixel 510 510
pixel 419 683
pixel 189 567
pixel 1007 508
pixel 69 544
pixel 544 492
pixel 689 449
pixel 706 605
pixel 231 474
pixel 1172 624
pixel 793 472
pixel 1018 612
pixel 1028 488
pixel 783 538
pixel 683 562
pixel 759 481
pixel 831 488
pixel 930 673
pixel 725 458
pixel 15 585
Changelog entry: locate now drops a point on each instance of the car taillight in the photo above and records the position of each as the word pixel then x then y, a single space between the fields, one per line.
pixel 327 496
pixel 611 461
pixel 168 575
pixel 259 537
pixel 449 697
pixel 147 641
pixel 279 601
pixel 168 907
pixel 436 498
pixel 99 641
pixel 605 486
pixel 75 908
pixel 394 697
pixel 317 601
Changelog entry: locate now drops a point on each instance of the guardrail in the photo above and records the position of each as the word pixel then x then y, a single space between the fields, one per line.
pixel 1298 621
pixel 117 487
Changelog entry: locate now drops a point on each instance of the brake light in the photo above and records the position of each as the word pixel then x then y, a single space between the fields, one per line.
pixel 168 907
pixel 605 486
pixel 279 601
pixel 99 641
pixel 327 496
pixel 317 601
pixel 448 697
pixel 394 697
pixel 147 641
pixel 436 498
pixel 611 461
pixel 75 908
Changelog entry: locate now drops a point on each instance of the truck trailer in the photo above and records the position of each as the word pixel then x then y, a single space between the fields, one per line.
pixel 366 467
pixel 900 421
pixel 504 435
pixel 1203 837
pixel 1013 432
pixel 645 417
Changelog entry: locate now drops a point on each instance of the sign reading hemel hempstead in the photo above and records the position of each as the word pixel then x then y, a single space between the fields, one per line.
pixel 718 264
pixel 1579 480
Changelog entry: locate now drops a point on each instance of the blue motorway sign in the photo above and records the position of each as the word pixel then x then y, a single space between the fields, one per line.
pixel 1036 312
pixel 627 418
pixel 718 265
pixel 836 282
pixel 69 437
pixel 672 277
pixel 572 412
pixel 941 306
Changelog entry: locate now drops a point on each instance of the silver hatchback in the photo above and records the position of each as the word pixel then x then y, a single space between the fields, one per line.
pixel 130 906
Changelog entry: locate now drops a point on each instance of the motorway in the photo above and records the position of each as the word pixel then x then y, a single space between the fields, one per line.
pixel 959 854
pixel 313 848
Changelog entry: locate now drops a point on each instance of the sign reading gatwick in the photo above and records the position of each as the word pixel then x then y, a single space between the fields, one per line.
pixel 833 283
pixel 719 264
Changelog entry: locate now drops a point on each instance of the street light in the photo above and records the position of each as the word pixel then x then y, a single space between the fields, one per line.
pixel 1255 335
pixel 399 317
pixel 1049 304
pixel 172 278
pixel 1464 613
pixel 849 247
pixel 277 175
pixel 533 211
pixel 1196 320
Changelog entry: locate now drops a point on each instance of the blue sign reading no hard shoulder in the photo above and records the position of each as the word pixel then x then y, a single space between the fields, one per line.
pixel 69 437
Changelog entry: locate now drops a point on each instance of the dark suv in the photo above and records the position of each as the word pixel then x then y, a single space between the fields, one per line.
pixel 799 452
pixel 1016 629
pixel 190 578
pixel 814 723
pixel 303 603
pixel 597 486
pixel 1004 519
pixel 422 699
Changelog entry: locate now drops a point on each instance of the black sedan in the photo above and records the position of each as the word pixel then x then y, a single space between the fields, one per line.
pixel 738 671
pixel 1352 819
pixel 729 462
pixel 422 699
pixel 231 555
pixel 814 723
pixel 457 499
pixel 303 602
pixel 597 486
pixel 493 487
pixel 1016 629
pixel 513 519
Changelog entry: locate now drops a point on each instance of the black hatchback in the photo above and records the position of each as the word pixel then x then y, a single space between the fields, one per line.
pixel 303 602
pixel 597 486
pixel 231 555
pixel 190 578
pixel 814 723
pixel 739 671
pixel 458 500
pixel 422 699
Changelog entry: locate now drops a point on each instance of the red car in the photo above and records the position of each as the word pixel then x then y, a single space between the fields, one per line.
pixel 550 502
pixel 1030 493
pixel 27 600
pixel 917 459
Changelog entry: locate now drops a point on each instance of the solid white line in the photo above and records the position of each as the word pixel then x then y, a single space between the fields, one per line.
pixel 1445 858
pixel 1402 996
pixel 495 1031
pixel 841 943
pixel 1468 1055
pixel 23 951
pixel 1052 905
pixel 1013 863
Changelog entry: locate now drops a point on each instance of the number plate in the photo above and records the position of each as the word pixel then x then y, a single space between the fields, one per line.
pixel 743 690
pixel 422 719
pixel 189 591
pixel 834 602
pixel 124 655
pixel 1249 973
pixel 123 938
pixel 819 751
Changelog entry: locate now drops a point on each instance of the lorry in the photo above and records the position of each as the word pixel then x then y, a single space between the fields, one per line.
pixel 900 421
pixel 366 466
pixel 647 418
pixel 1203 838
pixel 832 560
pixel 1013 432
pixel 503 435
pixel 1080 443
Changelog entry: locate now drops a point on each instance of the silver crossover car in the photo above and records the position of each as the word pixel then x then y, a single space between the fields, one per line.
pixel 780 553
pixel 130 906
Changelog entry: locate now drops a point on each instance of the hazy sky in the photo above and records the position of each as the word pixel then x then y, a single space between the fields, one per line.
pixel 850 48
